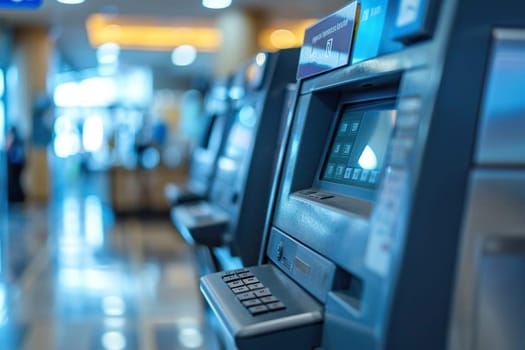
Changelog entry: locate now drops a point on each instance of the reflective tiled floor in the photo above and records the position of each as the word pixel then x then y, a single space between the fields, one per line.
pixel 77 278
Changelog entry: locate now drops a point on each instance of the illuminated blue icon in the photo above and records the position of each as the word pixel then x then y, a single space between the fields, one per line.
pixel 20 4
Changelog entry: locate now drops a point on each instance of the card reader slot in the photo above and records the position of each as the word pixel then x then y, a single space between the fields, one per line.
pixel 353 205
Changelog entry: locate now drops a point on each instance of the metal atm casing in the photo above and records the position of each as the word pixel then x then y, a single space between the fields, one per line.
pixel 489 298
pixel 235 211
pixel 382 262
pixel 203 162
pixel 218 123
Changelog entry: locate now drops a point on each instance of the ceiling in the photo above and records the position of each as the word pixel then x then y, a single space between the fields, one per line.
pixel 66 24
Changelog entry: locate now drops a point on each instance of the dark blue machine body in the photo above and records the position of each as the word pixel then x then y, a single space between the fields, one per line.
pixel 217 122
pixel 233 216
pixel 377 207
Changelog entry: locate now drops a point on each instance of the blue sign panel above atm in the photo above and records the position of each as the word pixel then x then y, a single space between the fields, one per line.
pixel 327 43
pixel 20 4
pixel 415 20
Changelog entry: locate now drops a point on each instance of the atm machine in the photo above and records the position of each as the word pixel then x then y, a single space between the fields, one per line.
pixel 489 297
pixel 231 221
pixel 218 119
pixel 391 179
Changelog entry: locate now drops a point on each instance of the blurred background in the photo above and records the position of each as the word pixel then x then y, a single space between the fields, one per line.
pixel 101 103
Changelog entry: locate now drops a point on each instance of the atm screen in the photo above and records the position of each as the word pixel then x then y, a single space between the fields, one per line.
pixel 357 153
pixel 241 133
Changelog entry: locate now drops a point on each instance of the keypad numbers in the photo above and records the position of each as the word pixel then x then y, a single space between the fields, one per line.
pixel 251 293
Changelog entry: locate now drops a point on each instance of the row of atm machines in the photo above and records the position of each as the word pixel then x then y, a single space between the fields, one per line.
pixel 235 162
pixel 385 209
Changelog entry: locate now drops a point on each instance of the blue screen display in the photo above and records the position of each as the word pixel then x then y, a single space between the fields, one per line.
pixel 359 147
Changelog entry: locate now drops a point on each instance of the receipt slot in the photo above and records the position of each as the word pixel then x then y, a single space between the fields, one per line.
pixel 234 214
pixel 217 122
pixel 369 213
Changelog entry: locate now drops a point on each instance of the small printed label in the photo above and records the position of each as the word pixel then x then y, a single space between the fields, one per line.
pixel 383 226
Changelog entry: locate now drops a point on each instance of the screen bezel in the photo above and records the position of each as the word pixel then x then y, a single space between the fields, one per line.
pixel 386 102
pixel 207 133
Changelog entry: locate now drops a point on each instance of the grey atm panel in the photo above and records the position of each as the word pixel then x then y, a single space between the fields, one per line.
pixel 235 212
pixel 489 308
pixel 378 251
pixel 216 125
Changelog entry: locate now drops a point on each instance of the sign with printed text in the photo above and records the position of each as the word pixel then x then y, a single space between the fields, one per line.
pixel 327 44
pixel 20 4
pixel 367 44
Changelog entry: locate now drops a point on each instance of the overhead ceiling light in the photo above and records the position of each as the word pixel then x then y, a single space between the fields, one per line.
pixel 149 33
pixel 112 30
pixel 184 55
pixel 216 4
pixel 283 38
pixel 113 341
pixel 71 2
pixel 260 59
pixel 283 34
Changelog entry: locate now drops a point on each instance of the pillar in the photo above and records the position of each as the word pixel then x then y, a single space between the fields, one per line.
pixel 239 40
pixel 32 54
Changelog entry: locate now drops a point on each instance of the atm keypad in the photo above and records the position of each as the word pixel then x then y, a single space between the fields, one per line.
pixel 269 299
pixel 235 284
pixel 265 292
pixel 245 296
pixel 245 275
pixel 230 278
pixel 251 292
pixel 252 302
pixel 255 286
pixel 276 306
pixel 242 289
pixel 250 280
pixel 256 310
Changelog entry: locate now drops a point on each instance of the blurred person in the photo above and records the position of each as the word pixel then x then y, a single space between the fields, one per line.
pixel 15 165
pixel 43 111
